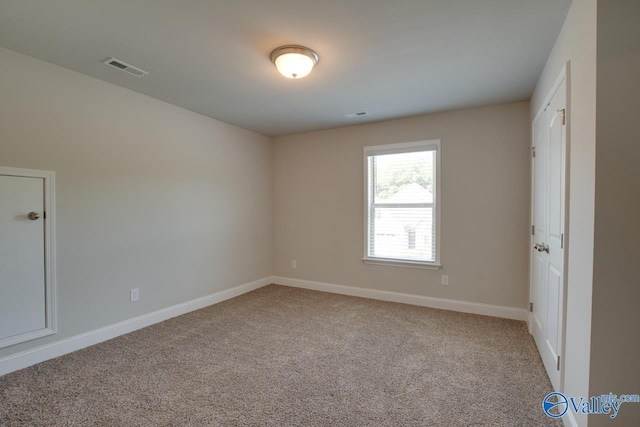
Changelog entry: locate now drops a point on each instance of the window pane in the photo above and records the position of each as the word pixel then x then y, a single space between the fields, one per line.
pixel 401 202
pixel 404 178
pixel 402 233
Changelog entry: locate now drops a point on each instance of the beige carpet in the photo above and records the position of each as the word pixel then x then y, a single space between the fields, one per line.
pixel 281 356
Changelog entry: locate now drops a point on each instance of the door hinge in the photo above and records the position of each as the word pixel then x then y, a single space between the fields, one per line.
pixel 531 307
pixel 533 151
pixel 558 364
pixel 44 214
pixel 562 241
pixel 564 119
pixel 533 230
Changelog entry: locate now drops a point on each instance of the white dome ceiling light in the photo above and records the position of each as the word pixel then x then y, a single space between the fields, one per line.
pixel 294 61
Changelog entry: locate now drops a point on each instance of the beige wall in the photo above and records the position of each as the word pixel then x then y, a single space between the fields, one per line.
pixel 318 205
pixel 149 195
pixel 577 44
pixel 615 339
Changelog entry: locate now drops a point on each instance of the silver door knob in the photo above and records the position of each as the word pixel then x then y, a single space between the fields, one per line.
pixel 541 247
pixel 33 216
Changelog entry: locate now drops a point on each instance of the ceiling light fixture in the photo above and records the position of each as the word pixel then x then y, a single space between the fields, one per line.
pixel 294 61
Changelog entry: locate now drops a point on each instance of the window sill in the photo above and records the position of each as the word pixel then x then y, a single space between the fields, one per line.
pixel 399 263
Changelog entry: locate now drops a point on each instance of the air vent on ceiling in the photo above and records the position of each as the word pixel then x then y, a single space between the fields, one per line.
pixel 356 114
pixel 123 66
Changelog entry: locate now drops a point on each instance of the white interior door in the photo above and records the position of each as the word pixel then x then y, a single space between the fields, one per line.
pixel 548 232
pixel 26 307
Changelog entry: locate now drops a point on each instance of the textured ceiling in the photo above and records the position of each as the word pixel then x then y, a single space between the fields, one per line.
pixel 390 58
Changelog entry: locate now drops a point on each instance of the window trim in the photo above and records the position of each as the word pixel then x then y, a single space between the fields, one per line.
pixel 403 147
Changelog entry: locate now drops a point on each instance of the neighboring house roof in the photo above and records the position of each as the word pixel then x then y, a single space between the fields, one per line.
pixel 411 193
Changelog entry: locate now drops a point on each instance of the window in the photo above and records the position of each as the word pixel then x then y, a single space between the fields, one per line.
pixel 411 234
pixel 402 188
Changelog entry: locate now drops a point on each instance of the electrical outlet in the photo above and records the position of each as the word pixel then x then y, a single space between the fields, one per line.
pixel 135 294
pixel 445 280
pixel 294 263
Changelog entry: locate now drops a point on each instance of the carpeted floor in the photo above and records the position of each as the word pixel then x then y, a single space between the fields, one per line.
pixel 281 356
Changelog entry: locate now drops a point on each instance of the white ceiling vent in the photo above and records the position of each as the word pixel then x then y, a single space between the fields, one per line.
pixel 123 66
pixel 356 114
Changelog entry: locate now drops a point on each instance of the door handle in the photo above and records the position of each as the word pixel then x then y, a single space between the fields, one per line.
pixel 33 216
pixel 541 247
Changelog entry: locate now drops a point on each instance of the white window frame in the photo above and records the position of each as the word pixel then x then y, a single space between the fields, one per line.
pixel 404 147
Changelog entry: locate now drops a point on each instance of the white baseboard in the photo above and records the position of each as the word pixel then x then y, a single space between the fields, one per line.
pixel 423 301
pixel 39 354
pixel 49 351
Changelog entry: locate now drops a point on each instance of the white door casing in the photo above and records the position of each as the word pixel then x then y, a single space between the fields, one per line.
pixel 27 262
pixel 549 236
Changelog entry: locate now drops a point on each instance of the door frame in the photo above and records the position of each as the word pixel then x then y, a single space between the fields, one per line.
pixel 566 76
pixel 49 255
